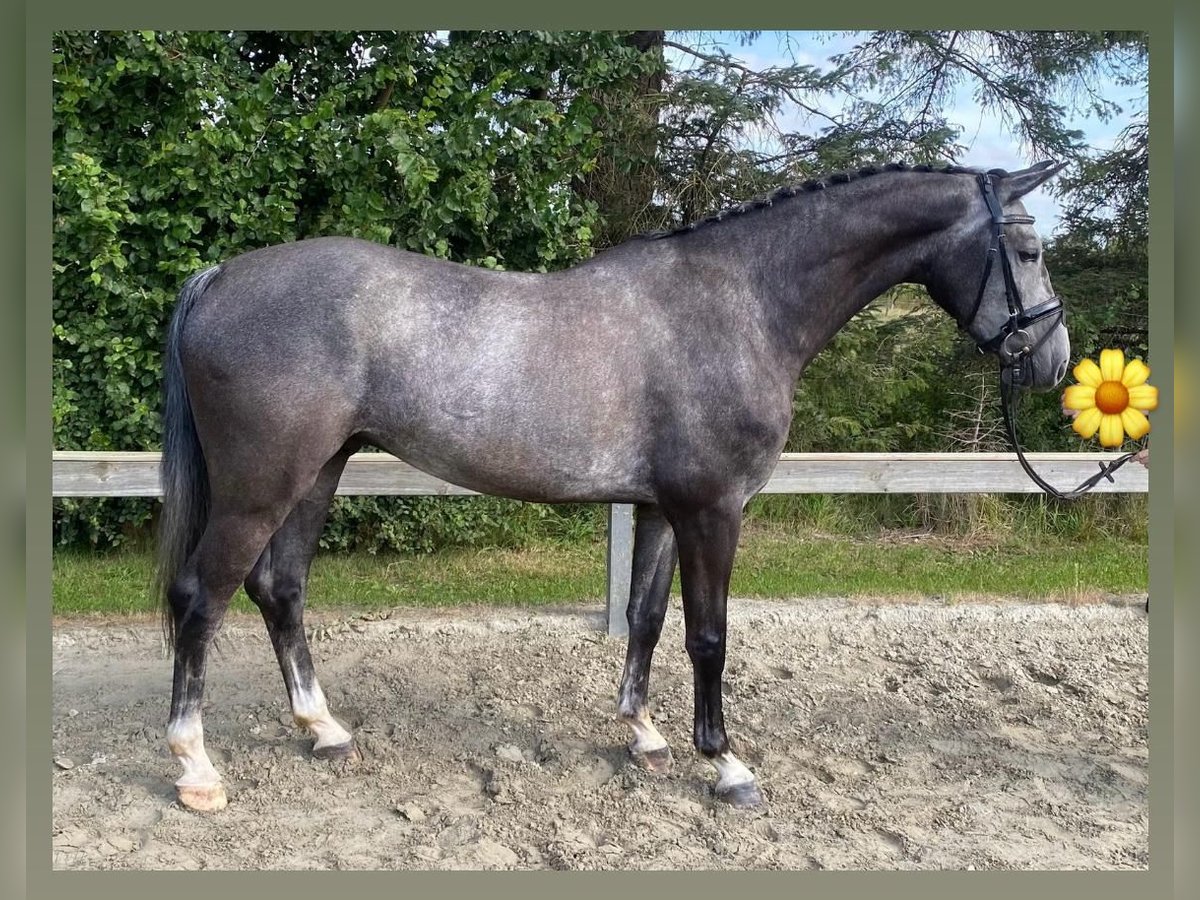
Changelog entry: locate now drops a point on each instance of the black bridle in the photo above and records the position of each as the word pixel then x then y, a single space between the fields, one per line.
pixel 1012 341
pixel 1013 344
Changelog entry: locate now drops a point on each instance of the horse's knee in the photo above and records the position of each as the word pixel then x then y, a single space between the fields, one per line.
pixel 706 647
pixel 645 625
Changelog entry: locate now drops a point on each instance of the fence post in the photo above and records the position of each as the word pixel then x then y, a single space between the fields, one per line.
pixel 620 565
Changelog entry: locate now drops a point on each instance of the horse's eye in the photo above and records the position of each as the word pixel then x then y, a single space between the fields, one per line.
pixel 1028 256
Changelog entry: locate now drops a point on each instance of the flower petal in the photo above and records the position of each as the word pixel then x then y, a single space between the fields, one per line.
pixel 1143 397
pixel 1087 372
pixel 1111 432
pixel 1079 396
pixel 1136 372
pixel 1135 423
pixel 1087 422
pixel 1112 364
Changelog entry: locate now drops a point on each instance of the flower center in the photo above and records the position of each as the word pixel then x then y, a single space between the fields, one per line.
pixel 1112 397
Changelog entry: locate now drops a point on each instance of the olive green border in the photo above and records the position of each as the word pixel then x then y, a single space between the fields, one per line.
pixel 42 18
pixel 12 406
pixel 1186 493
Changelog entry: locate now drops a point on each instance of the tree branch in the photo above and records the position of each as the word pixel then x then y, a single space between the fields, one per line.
pixel 757 77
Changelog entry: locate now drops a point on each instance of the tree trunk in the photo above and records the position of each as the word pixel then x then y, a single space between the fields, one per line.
pixel 623 180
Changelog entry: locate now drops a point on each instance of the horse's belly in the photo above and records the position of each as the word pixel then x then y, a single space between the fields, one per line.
pixel 526 473
pixel 508 450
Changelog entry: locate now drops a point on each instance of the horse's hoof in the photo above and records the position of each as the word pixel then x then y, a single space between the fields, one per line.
pixel 202 797
pixel 347 752
pixel 742 796
pixel 657 761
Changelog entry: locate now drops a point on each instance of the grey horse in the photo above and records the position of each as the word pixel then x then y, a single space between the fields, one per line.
pixel 659 373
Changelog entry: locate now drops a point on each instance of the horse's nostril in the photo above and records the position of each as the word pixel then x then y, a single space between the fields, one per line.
pixel 1060 373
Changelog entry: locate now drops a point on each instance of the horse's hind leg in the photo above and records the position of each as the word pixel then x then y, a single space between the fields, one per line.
pixel 199 597
pixel 278 584
pixel 653 568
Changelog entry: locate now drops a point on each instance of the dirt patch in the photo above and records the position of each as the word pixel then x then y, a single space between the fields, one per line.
pixel 890 736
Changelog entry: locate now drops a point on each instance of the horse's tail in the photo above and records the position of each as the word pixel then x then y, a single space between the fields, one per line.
pixel 183 472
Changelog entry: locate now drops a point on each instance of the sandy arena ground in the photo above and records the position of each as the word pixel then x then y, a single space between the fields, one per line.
pixel 885 736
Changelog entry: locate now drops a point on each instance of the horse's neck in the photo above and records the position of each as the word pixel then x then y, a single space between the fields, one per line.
pixel 832 257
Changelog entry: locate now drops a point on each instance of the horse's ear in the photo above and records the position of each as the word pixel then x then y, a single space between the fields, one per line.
pixel 1018 184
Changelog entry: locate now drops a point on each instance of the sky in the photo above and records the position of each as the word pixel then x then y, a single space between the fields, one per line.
pixel 988 143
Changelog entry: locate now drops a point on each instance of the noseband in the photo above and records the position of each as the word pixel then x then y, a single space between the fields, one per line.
pixel 1013 344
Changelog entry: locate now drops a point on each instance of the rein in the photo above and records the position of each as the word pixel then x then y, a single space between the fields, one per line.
pixel 1008 405
pixel 1012 343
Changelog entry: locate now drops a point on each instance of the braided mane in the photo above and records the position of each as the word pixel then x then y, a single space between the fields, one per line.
pixel 807 187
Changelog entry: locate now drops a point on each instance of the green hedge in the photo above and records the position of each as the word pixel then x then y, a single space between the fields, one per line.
pixel 174 150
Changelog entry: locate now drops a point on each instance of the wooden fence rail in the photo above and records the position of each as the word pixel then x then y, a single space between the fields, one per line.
pixel 131 474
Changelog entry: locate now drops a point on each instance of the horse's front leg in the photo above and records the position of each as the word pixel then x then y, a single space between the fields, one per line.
pixel 653 569
pixel 707 540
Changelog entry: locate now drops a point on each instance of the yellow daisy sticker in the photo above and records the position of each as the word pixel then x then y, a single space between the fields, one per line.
pixel 1112 398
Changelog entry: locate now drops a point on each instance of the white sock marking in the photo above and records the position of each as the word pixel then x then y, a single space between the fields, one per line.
pixel 185 737
pixel 731 771
pixel 310 711
pixel 645 736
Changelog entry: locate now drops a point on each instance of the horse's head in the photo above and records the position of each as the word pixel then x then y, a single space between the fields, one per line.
pixel 991 277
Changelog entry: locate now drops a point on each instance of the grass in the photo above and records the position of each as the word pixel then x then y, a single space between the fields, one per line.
pixel 773 561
